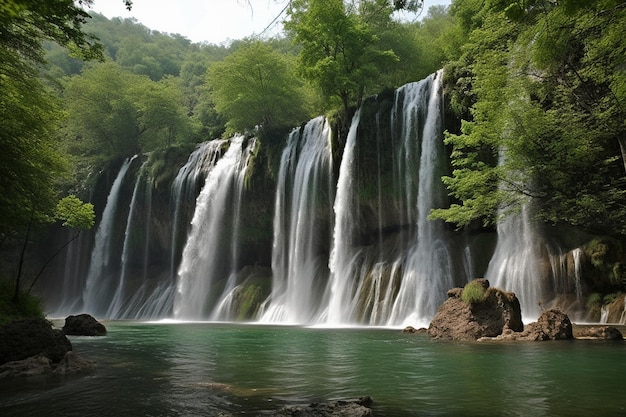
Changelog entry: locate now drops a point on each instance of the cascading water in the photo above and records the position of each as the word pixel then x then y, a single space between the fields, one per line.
pixel 408 284
pixel 304 183
pixel 343 261
pixel 183 192
pixel 428 273
pixel 99 284
pixel 355 249
pixel 121 292
pixel 207 257
pixel 515 264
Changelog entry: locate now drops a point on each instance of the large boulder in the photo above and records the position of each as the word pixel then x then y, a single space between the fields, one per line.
pixel 488 313
pixel 83 325
pixel 552 324
pixel 21 339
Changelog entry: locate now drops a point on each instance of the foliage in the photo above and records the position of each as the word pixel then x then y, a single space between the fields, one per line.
pixel 540 113
pixel 29 305
pixel 339 53
pixel 115 114
pixel 473 292
pixel 74 213
pixel 255 86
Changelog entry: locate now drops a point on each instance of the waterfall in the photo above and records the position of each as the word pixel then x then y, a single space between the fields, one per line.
pixel 299 269
pixel 515 265
pixel 428 273
pixel 343 262
pixel 352 243
pixel 99 283
pixel 121 292
pixel 183 191
pixel 207 257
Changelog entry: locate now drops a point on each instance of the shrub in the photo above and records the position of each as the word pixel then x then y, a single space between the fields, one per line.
pixel 473 292
pixel 28 305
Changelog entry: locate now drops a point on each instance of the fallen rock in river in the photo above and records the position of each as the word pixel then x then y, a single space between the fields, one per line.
pixel 476 311
pixel 83 325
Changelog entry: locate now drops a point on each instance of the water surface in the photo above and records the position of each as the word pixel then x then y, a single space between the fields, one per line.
pixel 209 369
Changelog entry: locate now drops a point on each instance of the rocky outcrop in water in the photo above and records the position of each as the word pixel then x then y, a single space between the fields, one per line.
pixel 553 324
pixel 32 346
pixel 83 325
pixel 490 314
pixel 21 339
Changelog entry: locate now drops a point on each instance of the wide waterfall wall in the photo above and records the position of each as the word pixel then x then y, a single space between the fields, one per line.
pixel 304 227
pixel 386 264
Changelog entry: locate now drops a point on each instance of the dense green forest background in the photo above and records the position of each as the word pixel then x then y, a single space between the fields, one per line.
pixel 540 87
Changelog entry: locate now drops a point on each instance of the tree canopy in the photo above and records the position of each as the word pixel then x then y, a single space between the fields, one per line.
pixel 544 113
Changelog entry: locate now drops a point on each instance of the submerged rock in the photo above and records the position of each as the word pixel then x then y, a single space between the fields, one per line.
pixel 42 365
pixel 341 408
pixel 83 325
pixel 489 313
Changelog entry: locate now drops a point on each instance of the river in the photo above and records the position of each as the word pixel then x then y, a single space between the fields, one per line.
pixel 219 369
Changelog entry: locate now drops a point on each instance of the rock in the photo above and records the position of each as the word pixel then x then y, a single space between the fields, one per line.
pixel 411 329
pixel 600 333
pixel 73 364
pixel 42 365
pixel 553 324
pixel 83 325
pixel 35 365
pixel 21 339
pixel 341 408
pixel 496 312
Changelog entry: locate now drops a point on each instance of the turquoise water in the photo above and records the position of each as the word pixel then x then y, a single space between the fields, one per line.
pixel 208 369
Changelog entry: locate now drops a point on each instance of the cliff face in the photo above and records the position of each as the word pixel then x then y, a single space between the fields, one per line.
pixel 347 238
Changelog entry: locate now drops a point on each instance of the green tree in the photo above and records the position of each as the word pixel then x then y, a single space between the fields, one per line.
pixel 547 105
pixel 256 86
pixel 339 53
pixel 112 113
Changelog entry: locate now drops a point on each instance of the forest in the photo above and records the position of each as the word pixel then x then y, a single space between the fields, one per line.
pixel 538 87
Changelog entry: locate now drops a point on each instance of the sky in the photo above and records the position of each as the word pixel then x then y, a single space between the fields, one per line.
pixel 212 21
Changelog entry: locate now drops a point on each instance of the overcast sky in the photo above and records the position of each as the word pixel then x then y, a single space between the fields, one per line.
pixel 213 21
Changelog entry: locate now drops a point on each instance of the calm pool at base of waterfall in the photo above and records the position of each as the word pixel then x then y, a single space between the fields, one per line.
pixel 213 369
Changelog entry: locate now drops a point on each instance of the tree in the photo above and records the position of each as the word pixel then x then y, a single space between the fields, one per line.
pixel 255 86
pixel 73 213
pixel 548 106
pixel 112 113
pixel 339 53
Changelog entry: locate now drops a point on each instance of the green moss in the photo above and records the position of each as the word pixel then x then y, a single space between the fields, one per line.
pixel 473 293
pixel 594 301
